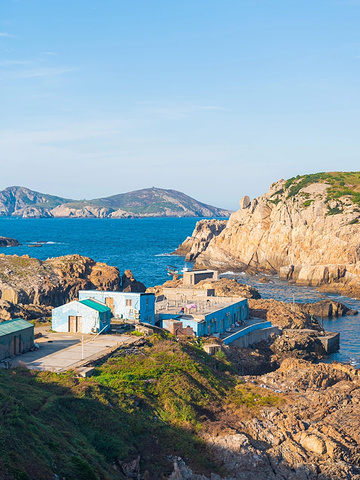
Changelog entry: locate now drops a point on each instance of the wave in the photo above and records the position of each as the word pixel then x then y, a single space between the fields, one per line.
pixel 46 243
pixel 165 255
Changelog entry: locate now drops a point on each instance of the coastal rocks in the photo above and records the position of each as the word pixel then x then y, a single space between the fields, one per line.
pixel 129 284
pixel 304 344
pixel 283 315
pixel 204 231
pixel 10 310
pixel 297 230
pixel 325 308
pixel 8 242
pixel 225 287
pixel 312 433
pixel 28 286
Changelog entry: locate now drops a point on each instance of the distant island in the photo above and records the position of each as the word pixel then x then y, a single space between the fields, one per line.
pixel 148 202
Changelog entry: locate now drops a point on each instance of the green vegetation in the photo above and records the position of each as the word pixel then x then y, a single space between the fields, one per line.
pixel 148 201
pixel 340 184
pixel 334 211
pixel 276 201
pixel 307 203
pixel 355 220
pixel 153 404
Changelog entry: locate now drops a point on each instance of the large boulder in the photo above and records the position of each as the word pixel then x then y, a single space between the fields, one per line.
pixel 129 284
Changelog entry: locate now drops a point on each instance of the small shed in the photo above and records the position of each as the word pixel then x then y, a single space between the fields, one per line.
pixel 16 337
pixel 86 316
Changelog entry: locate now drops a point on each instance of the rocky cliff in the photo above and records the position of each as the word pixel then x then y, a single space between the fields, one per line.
pixel 305 229
pixel 30 287
pixel 205 230
pixel 148 202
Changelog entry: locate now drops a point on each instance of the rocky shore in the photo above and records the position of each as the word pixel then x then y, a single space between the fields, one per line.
pixel 305 229
pixel 312 435
pixel 30 287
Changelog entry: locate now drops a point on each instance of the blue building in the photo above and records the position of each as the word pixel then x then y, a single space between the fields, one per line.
pixel 210 317
pixel 85 316
pixel 139 307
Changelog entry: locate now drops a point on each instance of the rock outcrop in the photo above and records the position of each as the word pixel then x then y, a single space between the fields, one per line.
pixel 225 287
pixel 312 435
pixel 129 284
pixel 205 231
pixel 30 287
pixel 305 229
pixel 282 314
pixel 8 242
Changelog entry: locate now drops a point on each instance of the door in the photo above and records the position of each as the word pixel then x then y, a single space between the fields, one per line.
pixel 14 345
pixel 75 324
pixel 110 303
pixel 19 348
pixel 72 324
pixel 79 324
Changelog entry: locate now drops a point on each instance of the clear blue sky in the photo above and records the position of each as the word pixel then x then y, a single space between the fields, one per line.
pixel 215 98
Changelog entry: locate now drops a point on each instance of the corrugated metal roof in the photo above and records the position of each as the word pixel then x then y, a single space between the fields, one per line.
pixel 13 326
pixel 100 307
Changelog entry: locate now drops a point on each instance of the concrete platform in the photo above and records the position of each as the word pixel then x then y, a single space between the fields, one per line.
pixel 59 352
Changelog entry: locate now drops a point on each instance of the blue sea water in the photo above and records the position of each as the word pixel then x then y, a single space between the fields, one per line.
pixel 141 245
pixel 144 246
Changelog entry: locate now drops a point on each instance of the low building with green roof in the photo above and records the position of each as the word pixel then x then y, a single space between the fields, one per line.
pixel 86 316
pixel 16 337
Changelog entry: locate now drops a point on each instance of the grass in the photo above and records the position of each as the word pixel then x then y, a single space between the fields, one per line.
pixel 334 211
pixel 152 404
pixel 340 184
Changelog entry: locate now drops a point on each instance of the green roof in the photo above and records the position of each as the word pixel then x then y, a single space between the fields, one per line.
pixel 100 307
pixel 12 326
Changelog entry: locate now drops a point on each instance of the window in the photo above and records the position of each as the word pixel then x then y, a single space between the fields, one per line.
pixel 147 302
pixel 128 302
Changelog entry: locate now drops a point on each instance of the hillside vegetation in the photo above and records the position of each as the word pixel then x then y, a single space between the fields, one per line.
pixel 154 202
pixel 340 184
pixel 155 404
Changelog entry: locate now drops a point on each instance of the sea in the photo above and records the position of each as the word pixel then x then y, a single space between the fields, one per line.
pixel 144 246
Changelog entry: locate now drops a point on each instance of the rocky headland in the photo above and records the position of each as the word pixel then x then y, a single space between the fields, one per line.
pixel 305 229
pixel 30 287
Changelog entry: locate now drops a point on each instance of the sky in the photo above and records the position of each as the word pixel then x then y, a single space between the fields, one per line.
pixel 215 98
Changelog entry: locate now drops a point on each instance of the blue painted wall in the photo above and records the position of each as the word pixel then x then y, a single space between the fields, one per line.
pixel 246 331
pixel 215 322
pixel 93 321
pixel 144 303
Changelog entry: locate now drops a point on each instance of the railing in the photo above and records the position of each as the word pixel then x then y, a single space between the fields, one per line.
pixel 246 331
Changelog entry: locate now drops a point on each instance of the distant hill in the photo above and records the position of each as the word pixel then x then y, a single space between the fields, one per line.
pixel 148 202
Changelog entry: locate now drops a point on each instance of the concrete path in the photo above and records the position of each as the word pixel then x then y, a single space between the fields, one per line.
pixel 61 351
